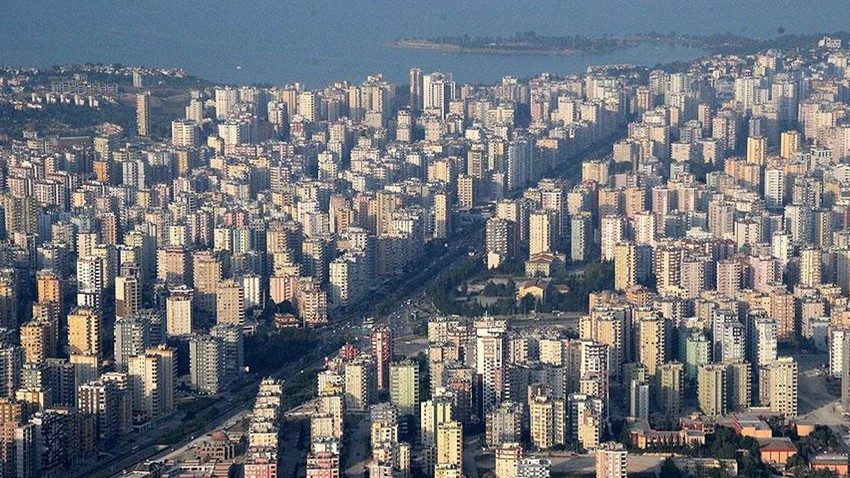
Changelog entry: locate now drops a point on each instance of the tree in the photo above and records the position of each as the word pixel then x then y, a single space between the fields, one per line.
pixel 821 439
pixel 490 290
pixel 726 443
pixel 721 472
pixel 265 353
pixel 797 465
pixel 424 376
pixel 444 287
pixel 822 474
pixel 527 303
pixel 669 469
pixel 503 306
pixel 748 466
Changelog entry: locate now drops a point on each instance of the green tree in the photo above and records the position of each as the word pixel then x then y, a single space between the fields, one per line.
pixel 265 353
pixel 669 469
pixel 527 303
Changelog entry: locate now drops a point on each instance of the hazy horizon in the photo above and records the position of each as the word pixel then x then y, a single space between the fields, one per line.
pixel 319 42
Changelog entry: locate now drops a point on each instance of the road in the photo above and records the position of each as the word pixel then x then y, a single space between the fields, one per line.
pixel 293 460
pixel 470 450
pixel 151 451
pixel 403 291
pixel 407 290
pixel 357 445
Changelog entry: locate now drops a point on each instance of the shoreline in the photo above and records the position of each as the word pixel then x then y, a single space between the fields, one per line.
pixel 533 45
pixel 407 44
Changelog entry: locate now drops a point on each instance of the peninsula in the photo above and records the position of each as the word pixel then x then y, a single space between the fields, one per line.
pixel 532 43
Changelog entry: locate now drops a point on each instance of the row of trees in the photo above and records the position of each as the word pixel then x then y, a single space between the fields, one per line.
pixel 266 353
pixel 443 289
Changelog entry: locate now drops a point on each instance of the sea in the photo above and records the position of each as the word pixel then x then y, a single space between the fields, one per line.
pixel 317 42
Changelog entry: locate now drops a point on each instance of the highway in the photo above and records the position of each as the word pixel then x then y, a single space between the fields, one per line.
pixel 147 448
pixel 406 290
pixel 151 450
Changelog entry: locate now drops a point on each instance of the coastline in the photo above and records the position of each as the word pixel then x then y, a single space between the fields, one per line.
pixel 530 44
pixel 419 44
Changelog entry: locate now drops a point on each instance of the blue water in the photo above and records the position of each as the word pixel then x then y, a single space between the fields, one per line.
pixel 320 41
